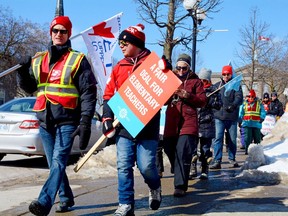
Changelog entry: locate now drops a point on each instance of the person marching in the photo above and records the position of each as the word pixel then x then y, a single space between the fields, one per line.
pixel 141 149
pixel 276 107
pixel 252 114
pixel 226 119
pixel 181 125
pixel 66 99
pixel 206 125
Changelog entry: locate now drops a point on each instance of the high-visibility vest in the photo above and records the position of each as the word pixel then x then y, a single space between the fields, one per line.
pixel 252 112
pixel 55 84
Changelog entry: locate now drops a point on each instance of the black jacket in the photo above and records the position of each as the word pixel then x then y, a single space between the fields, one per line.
pixel 84 81
pixel 276 108
pixel 206 114
pixel 233 98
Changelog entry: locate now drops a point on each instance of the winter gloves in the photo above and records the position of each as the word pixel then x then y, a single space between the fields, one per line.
pixel 84 132
pixel 25 62
pixel 107 120
pixel 230 108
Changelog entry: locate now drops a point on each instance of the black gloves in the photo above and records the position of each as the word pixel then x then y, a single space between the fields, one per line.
pixel 84 132
pixel 164 64
pixel 25 62
pixel 108 129
pixel 230 108
pixel 216 105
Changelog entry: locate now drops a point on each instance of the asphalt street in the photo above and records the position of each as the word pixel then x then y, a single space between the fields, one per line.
pixel 222 194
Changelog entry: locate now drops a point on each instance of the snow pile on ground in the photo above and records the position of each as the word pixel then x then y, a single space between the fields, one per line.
pixel 268 162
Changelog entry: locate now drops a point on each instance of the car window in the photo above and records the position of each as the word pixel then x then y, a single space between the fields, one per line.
pixel 18 105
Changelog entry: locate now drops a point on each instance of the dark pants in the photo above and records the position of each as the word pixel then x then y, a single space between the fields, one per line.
pixel 205 145
pixel 169 145
pixel 251 134
pixel 186 145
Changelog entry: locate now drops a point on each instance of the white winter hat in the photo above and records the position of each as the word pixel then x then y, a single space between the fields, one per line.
pixel 205 74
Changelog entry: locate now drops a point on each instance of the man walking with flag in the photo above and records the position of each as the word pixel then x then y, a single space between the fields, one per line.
pixel 226 118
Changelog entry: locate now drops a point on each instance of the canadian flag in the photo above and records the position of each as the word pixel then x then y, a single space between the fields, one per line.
pixel 262 38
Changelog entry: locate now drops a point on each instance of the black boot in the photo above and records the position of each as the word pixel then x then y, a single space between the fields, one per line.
pixel 204 171
pixel 193 170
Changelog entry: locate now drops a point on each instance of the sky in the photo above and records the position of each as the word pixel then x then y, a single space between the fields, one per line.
pixel 217 50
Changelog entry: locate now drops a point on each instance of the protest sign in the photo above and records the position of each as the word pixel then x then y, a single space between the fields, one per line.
pixel 143 94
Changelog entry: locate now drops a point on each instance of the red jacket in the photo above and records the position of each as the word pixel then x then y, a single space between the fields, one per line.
pixel 120 73
pixel 181 117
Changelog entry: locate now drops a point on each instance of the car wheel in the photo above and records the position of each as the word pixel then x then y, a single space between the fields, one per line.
pixel 2 155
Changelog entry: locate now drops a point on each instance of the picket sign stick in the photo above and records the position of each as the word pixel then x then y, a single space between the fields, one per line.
pixel 8 71
pixel 84 159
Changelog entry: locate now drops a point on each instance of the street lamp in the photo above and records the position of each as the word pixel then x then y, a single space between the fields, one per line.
pixel 197 16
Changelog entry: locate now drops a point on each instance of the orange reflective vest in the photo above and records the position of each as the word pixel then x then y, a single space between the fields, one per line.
pixel 252 112
pixel 55 84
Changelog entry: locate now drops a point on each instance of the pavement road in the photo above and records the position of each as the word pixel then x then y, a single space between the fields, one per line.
pixel 222 194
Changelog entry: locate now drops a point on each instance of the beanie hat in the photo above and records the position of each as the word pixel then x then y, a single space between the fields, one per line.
pixel 62 20
pixel 205 74
pixel 134 35
pixel 227 69
pixel 266 95
pixel 252 93
pixel 184 58
pixel 274 94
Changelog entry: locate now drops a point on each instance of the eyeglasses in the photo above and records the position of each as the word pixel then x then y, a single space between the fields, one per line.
pixel 123 43
pixel 55 31
pixel 183 68
pixel 226 74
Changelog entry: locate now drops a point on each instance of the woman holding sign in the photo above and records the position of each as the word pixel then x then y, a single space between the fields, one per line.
pixel 181 126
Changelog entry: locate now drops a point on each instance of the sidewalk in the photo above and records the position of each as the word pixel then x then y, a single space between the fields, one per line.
pixel 221 195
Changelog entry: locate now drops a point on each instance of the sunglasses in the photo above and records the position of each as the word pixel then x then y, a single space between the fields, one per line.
pixel 226 74
pixel 123 43
pixel 182 68
pixel 55 31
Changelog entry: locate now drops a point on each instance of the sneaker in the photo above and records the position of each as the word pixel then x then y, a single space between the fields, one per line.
pixel 179 192
pixel 64 206
pixel 203 176
pixel 124 210
pixel 233 163
pixel 155 198
pixel 216 165
pixel 37 209
pixel 204 172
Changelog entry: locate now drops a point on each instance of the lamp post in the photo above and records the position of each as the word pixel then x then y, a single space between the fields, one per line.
pixel 197 16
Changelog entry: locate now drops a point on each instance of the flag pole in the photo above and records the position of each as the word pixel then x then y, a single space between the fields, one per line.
pixel 221 86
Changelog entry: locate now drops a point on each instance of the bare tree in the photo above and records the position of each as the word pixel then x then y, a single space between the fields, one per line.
pixel 18 39
pixel 169 17
pixel 263 59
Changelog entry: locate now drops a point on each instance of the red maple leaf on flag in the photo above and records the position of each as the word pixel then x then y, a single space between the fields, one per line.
pixel 262 38
pixel 100 30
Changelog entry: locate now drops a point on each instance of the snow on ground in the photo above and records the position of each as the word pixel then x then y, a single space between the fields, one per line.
pixel 275 150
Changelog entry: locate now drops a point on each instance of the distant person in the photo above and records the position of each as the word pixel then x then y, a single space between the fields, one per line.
pixel 226 119
pixel 242 130
pixel 181 125
pixel 206 123
pixel 266 101
pixel 252 114
pixel 141 149
pixel 66 100
pixel 276 107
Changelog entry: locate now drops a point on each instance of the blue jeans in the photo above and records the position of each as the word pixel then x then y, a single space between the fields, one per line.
pixel 144 153
pixel 57 143
pixel 231 128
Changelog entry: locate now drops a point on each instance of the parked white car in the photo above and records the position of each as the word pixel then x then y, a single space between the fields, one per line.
pixel 19 130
